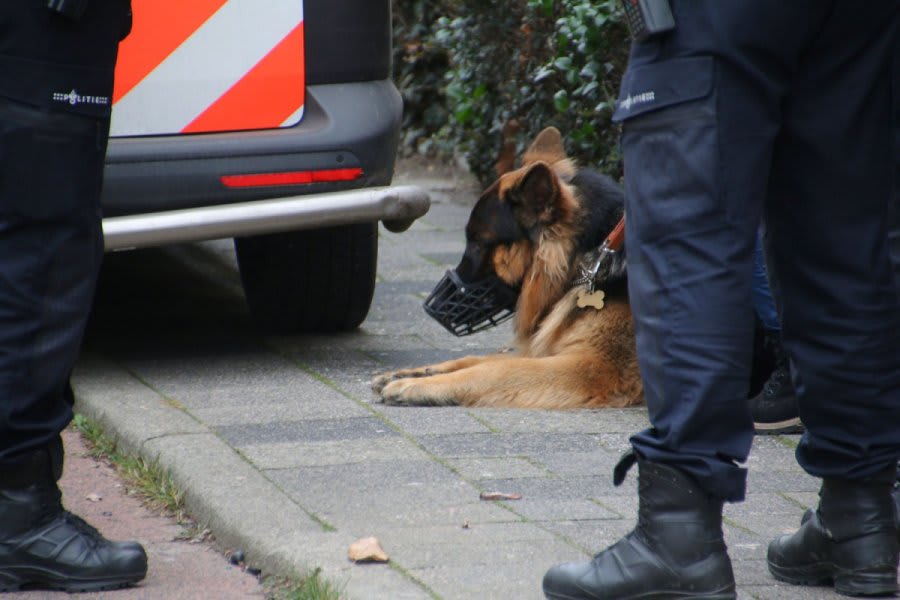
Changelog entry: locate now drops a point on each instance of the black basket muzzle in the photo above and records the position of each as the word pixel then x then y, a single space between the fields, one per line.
pixel 466 308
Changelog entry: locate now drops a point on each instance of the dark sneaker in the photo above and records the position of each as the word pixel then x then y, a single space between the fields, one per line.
pixel 42 545
pixel 775 409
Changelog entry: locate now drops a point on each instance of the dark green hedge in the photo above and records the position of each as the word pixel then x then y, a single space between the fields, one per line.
pixel 477 75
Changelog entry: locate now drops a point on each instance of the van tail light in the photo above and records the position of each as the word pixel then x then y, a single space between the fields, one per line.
pixel 291 178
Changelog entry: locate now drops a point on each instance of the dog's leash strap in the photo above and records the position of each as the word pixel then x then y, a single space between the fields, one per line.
pixel 616 238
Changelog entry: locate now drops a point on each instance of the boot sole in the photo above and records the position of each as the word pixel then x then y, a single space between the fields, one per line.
pixel 657 596
pixel 873 582
pixel 721 594
pixel 793 425
pixel 13 580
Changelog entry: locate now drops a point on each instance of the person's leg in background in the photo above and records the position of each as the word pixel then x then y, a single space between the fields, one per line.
pixel 774 408
pixel 51 167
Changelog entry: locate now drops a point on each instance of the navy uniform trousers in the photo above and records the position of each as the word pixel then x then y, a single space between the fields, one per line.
pixel 56 79
pixel 781 110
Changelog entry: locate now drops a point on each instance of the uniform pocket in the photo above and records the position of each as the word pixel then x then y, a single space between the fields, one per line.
pixel 74 89
pixel 51 164
pixel 670 145
pixel 655 86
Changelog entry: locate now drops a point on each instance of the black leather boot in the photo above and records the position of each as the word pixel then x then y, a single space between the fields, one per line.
pixel 676 550
pixel 849 542
pixel 45 546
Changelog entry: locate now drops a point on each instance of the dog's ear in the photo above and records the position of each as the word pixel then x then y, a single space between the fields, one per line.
pixel 548 147
pixel 536 197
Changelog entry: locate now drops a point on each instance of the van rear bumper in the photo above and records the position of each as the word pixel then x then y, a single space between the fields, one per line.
pixel 396 206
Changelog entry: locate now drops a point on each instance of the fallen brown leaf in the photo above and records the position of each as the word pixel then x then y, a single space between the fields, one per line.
pixel 499 496
pixel 367 550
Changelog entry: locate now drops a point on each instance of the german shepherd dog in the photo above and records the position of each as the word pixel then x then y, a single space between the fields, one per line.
pixel 532 229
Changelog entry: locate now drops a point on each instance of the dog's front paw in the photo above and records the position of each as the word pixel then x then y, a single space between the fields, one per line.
pixel 382 380
pixel 412 392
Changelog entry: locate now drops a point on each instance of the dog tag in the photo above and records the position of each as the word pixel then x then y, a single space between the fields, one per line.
pixel 594 299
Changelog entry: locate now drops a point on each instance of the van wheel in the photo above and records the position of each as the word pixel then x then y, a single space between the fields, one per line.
pixel 317 280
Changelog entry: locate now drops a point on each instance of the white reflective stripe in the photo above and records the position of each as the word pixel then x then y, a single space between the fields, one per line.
pixel 294 118
pixel 205 66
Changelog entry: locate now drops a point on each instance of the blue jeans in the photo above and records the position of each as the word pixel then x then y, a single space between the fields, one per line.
pixel 763 302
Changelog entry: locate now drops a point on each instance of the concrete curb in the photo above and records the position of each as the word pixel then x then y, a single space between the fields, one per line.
pixel 222 491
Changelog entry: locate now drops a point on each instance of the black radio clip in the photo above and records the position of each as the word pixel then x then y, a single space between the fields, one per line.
pixel 648 17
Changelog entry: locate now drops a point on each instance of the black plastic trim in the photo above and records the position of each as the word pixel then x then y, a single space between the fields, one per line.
pixel 347 40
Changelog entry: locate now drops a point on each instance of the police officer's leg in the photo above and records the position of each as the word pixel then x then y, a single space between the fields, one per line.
pixel 51 164
pixel 700 111
pixel 50 252
pixel 831 184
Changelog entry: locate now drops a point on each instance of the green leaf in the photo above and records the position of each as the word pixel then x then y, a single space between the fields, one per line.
pixel 561 101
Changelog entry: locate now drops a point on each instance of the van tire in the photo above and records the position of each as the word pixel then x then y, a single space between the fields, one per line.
pixel 317 280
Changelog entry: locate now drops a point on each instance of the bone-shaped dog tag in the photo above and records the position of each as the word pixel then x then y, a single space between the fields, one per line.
pixel 593 299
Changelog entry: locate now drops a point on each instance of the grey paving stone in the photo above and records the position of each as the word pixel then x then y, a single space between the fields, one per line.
pixel 394 359
pixel 620 500
pixel 502 444
pixel 432 420
pixel 482 468
pixel 450 259
pixel 782 591
pixel 287 455
pixel 759 480
pixel 419 477
pixel 266 408
pixel 455 545
pixel 306 392
pixel 392 289
pixel 588 537
pixel 561 509
pixel 547 488
pixel 756 572
pixel 625 421
pixel 804 500
pixel 744 545
pixel 361 511
pixel 307 431
pixel 599 462
pixel 516 572
pixel 616 443
pixel 245 366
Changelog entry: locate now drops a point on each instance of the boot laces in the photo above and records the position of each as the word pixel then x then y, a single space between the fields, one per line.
pixel 88 532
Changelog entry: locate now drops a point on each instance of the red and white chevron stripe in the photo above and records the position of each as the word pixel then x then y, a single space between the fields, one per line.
pixel 210 65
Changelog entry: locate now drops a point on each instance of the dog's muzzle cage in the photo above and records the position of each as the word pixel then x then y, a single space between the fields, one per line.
pixel 466 308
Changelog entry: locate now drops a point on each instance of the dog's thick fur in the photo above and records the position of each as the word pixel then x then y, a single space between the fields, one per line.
pixel 531 228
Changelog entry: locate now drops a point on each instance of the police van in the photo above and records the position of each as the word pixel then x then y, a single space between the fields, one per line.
pixel 273 122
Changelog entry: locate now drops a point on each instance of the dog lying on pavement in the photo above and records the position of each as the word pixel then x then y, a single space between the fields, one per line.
pixel 529 236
